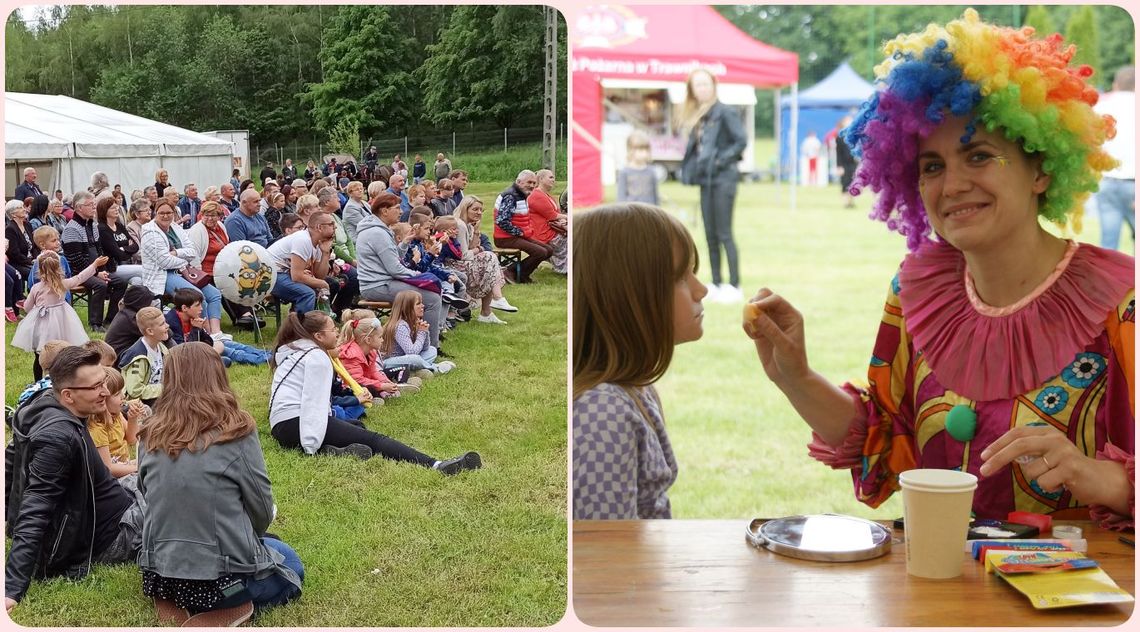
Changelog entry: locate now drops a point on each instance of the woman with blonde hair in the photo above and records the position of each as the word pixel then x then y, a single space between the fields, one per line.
pixel 631 307
pixel 485 278
pixel 208 500
pixel 307 205
pixel 355 209
pixel 716 142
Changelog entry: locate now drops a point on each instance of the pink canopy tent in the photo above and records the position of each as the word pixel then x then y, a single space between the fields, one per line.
pixel 660 43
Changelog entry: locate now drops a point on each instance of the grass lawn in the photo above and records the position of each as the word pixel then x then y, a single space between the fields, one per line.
pixel 739 444
pixel 388 544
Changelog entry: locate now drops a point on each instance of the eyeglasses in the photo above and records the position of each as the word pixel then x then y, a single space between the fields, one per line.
pixel 98 385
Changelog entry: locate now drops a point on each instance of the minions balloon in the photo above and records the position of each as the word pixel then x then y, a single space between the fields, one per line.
pixel 244 272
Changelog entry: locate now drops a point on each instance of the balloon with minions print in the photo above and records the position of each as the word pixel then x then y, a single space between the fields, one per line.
pixel 244 273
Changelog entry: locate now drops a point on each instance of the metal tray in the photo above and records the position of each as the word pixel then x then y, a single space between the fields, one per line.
pixel 821 537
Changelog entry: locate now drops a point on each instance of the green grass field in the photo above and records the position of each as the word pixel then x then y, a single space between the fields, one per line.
pixel 388 544
pixel 739 445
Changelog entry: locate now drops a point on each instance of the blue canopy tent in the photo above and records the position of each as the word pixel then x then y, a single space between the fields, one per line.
pixel 821 107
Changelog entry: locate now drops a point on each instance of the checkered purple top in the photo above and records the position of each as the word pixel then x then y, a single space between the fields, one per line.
pixel 623 463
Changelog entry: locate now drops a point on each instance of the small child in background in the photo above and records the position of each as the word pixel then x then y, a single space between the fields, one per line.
pixel 637 181
pixel 423 256
pixel 402 231
pixel 115 431
pixel 107 355
pixel 50 317
pixel 419 169
pixel 47 355
pixel 405 337
pixel 359 344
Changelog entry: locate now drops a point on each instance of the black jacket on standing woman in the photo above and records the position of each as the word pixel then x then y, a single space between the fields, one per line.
pixel 715 145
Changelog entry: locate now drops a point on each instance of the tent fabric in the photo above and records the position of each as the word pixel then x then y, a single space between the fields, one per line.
pixel 80 138
pixel 655 42
pixel 821 107
pixel 842 88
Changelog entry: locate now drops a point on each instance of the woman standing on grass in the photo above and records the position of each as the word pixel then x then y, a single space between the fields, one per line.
pixel 631 307
pixel 208 501
pixel 716 142
pixel 1004 351
pixel 300 412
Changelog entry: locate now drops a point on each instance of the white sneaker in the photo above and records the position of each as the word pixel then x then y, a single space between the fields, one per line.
pixel 502 304
pixel 445 366
pixel 221 336
pixel 491 318
pixel 729 294
pixel 713 293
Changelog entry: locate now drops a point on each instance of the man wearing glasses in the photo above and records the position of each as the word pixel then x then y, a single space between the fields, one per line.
pixel 65 510
pixel 302 262
pixel 81 246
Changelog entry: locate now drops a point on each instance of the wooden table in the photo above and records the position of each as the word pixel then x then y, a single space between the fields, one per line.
pixel 704 573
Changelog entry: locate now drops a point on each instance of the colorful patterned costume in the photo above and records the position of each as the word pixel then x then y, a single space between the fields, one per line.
pixel 1063 356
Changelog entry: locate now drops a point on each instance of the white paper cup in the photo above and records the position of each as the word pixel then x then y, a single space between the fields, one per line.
pixel 936 516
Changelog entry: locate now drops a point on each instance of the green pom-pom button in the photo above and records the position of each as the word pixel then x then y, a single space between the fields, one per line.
pixel 962 422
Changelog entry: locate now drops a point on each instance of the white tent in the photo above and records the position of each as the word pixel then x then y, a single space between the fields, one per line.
pixel 67 140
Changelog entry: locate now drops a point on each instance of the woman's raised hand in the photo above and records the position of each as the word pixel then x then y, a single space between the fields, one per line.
pixel 777 328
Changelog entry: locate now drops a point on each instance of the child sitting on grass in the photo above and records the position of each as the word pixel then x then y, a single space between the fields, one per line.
pixel 143 362
pixel 350 401
pixel 185 320
pixel 115 430
pixel 405 341
pixel 360 340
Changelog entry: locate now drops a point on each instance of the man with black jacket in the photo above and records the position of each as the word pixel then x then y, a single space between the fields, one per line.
pixel 65 510
pixel 81 246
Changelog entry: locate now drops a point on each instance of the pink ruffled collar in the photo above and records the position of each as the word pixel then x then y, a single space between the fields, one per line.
pixel 988 353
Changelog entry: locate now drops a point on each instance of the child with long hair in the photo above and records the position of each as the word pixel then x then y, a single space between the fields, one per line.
pixel 115 431
pixel 299 409
pixel 50 317
pixel 406 340
pixel 631 307
pixel 359 343
pixel 209 501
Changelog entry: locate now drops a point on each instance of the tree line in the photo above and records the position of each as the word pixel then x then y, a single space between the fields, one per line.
pixel 284 71
pixel 824 36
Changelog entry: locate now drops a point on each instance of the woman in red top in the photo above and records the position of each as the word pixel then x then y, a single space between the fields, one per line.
pixel 547 224
pixel 209 235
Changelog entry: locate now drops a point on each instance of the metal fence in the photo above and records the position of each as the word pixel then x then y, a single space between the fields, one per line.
pixel 454 144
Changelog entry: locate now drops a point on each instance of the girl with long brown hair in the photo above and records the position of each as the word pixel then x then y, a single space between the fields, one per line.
pixel 406 339
pixel 631 307
pixel 300 412
pixel 208 499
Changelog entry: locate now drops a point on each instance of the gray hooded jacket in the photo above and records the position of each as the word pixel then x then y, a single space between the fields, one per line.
pixel 377 258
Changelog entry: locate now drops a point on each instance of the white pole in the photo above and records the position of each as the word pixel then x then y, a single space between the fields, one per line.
pixel 776 130
pixel 793 145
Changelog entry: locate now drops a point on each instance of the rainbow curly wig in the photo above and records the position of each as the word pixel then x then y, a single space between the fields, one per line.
pixel 999 77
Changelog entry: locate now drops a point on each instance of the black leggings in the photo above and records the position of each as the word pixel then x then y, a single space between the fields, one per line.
pixel 717 202
pixel 340 433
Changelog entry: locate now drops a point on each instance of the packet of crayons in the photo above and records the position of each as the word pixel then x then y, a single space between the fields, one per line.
pixel 978 548
pixel 1014 562
pixel 1055 579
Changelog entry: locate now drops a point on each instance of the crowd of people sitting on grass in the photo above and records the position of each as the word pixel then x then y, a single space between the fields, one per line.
pixel 118 441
